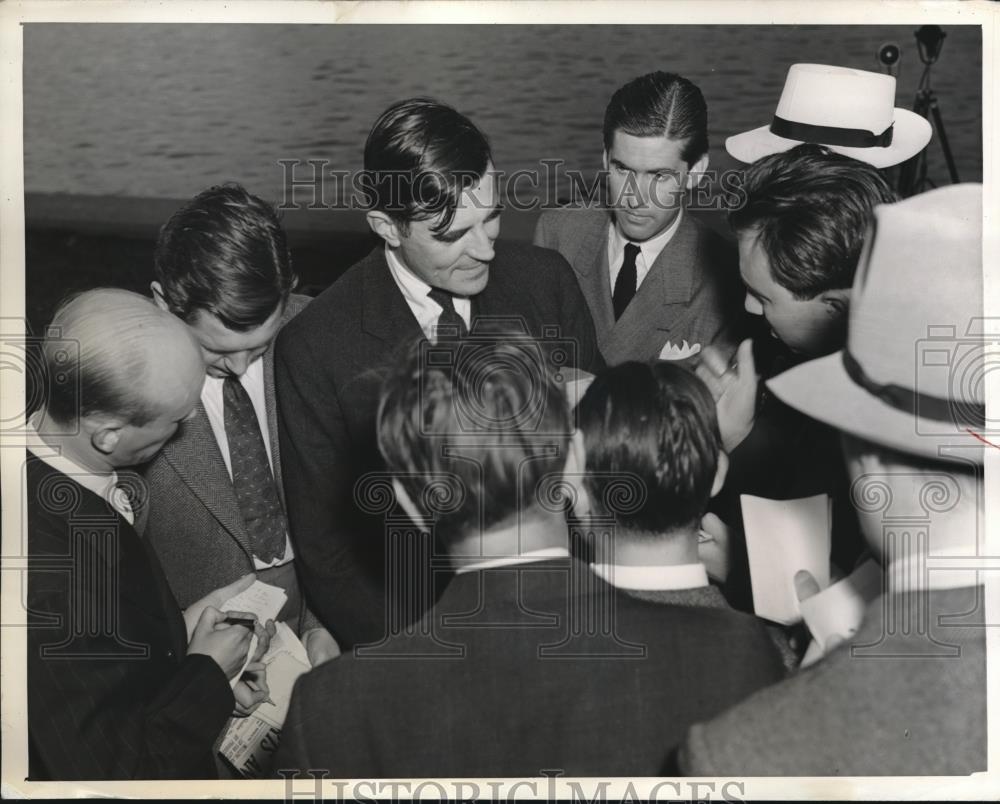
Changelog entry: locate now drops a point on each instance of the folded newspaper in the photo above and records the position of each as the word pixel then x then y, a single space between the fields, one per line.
pixel 250 741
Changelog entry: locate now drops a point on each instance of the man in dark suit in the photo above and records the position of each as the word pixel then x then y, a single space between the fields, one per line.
pixel 528 661
pixel 216 502
pixel 434 203
pixel 659 283
pixel 903 691
pixel 120 685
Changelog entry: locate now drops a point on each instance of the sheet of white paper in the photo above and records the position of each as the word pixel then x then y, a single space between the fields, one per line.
pixel 783 537
pixel 575 384
pixel 839 609
pixel 261 599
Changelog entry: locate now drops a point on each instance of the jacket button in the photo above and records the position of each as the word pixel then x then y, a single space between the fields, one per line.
pixel 170 654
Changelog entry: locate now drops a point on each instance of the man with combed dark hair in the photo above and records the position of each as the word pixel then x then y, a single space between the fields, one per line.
pixel 903 691
pixel 223 267
pixel 659 283
pixel 528 661
pixel 120 684
pixel 801 227
pixel 438 272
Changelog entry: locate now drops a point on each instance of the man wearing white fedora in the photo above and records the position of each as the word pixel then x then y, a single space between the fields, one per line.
pixel 852 112
pixel 906 693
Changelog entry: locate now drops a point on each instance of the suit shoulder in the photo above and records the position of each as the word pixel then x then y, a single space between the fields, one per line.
pixel 571 221
pixel 332 310
pixel 527 259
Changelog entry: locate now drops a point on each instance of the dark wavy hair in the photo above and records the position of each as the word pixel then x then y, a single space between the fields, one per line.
pixel 419 158
pixel 653 424
pixel 225 253
pixel 811 209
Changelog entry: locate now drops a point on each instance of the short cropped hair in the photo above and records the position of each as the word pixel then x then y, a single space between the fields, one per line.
pixel 225 253
pixel 98 352
pixel 811 209
pixel 419 157
pixel 654 425
pixel 486 414
pixel 660 105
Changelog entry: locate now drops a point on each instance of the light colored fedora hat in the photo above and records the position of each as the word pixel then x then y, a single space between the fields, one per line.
pixel 850 111
pixel 912 376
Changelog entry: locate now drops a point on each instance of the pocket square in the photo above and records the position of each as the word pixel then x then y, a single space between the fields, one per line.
pixel 672 351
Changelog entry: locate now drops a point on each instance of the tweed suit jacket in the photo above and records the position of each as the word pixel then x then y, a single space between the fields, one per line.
pixel 515 674
pixel 194 520
pixel 330 362
pixel 885 703
pixel 692 292
pixel 111 691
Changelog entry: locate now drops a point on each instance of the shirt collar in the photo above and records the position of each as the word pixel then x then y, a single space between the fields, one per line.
pixel 414 288
pixel 104 486
pixel 506 561
pixel 650 249
pixel 653 578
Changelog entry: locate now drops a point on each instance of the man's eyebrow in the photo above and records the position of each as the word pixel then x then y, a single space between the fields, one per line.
pixel 458 234
pixel 665 169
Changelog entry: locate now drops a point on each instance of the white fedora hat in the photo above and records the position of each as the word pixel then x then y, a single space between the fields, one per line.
pixel 850 111
pixel 912 376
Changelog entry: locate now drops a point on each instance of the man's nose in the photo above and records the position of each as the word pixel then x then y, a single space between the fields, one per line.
pixel 484 237
pixel 752 306
pixel 237 363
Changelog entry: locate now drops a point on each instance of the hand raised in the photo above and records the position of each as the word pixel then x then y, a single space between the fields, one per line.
pixel 226 644
pixel 734 388
pixel 216 600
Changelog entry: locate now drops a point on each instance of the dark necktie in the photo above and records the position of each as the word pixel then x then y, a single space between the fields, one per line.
pixel 253 482
pixel 626 281
pixel 449 324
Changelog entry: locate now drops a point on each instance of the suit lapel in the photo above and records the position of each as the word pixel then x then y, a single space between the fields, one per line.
pixel 198 461
pixel 593 270
pixel 384 312
pixel 670 282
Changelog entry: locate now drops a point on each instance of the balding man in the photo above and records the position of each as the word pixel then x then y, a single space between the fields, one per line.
pixel 120 685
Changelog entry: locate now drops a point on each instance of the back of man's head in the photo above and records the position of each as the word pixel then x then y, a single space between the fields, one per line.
pixel 652 447
pixel 660 104
pixel 419 157
pixel 471 430
pixel 224 253
pixel 809 209
pixel 130 358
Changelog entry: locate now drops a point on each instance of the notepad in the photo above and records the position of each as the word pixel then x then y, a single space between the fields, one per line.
pixel 783 537
pixel 261 599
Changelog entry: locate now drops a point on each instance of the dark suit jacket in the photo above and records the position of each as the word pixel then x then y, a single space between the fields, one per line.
pixel 194 522
pixel 330 361
pixel 692 292
pixel 111 691
pixel 518 673
pixel 907 704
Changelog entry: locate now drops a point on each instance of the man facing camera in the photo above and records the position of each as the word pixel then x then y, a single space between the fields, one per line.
pixel 120 685
pixel 216 500
pixel 529 661
pixel 906 693
pixel 438 272
pixel 659 283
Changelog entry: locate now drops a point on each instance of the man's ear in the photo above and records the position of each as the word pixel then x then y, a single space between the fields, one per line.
pixel 696 173
pixel 605 159
pixel 385 227
pixel 836 301
pixel 105 435
pixel 404 500
pixel 158 299
pixel 721 470
pixel 573 472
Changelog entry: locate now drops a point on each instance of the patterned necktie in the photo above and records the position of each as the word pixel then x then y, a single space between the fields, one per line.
pixel 626 281
pixel 253 482
pixel 450 324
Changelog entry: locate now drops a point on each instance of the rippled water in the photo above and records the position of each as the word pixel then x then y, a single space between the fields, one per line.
pixel 165 110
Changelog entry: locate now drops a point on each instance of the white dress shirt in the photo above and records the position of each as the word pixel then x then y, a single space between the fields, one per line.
pixel 509 561
pixel 212 399
pixel 648 251
pixel 104 486
pixel 415 290
pixel 653 578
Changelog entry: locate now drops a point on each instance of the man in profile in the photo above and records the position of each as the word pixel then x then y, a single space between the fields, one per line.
pixel 438 272
pixel 659 282
pixel 120 685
